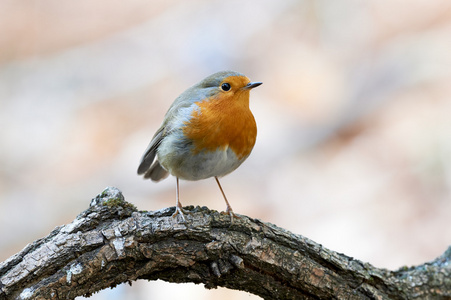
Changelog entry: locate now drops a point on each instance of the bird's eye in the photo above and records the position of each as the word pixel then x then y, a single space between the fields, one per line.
pixel 225 87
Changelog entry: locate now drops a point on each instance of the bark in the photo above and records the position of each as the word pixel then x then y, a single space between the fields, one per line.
pixel 112 242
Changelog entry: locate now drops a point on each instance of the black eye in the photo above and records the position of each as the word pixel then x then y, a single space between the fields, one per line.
pixel 225 87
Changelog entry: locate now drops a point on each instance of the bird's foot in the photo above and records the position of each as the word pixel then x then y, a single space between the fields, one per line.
pixel 180 211
pixel 230 212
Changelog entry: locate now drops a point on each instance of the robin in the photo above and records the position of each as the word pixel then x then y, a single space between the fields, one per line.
pixel 208 131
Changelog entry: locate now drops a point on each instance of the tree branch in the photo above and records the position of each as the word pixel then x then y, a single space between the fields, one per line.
pixel 111 243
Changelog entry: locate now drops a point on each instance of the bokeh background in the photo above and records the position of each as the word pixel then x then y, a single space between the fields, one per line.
pixel 354 118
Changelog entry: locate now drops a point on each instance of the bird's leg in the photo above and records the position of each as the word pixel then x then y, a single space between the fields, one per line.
pixel 229 209
pixel 178 205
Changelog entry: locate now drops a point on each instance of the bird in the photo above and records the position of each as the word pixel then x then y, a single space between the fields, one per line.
pixel 208 131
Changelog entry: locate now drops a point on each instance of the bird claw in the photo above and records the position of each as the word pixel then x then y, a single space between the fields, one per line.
pixel 182 212
pixel 230 212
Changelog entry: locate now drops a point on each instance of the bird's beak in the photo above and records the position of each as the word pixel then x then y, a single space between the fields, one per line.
pixel 251 85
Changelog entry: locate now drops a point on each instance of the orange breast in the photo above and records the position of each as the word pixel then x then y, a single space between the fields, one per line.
pixel 223 122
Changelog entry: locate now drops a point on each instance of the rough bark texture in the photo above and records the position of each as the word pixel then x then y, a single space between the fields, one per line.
pixel 111 243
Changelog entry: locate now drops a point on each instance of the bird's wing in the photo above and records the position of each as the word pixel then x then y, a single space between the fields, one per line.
pixel 186 99
pixel 151 151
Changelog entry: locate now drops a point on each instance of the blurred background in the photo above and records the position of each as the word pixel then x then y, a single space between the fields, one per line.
pixel 354 118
